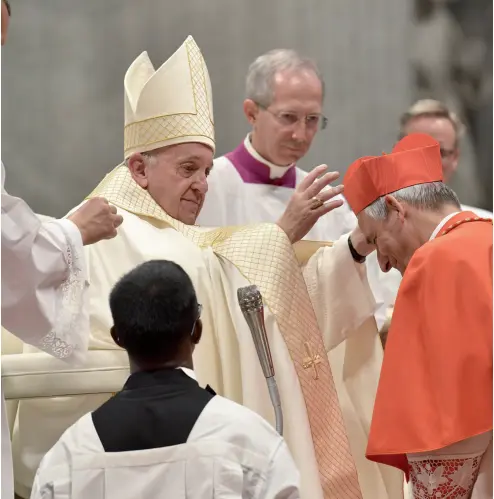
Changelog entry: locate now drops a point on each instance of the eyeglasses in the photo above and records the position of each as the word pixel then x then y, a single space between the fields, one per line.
pixel 446 153
pixel 314 121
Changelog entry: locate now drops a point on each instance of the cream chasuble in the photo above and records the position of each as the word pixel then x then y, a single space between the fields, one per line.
pixel 321 436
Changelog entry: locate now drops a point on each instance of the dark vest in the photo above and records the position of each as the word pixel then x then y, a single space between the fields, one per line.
pixel 155 409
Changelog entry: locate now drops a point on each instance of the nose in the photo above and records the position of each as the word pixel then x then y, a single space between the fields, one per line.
pixel 384 262
pixel 201 184
pixel 300 131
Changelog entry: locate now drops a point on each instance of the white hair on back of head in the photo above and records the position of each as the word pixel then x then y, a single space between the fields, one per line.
pixel 261 73
pixel 431 196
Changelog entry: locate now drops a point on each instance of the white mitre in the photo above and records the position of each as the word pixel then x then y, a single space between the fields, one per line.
pixel 171 105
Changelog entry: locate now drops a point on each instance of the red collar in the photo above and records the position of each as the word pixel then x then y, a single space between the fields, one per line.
pixel 461 218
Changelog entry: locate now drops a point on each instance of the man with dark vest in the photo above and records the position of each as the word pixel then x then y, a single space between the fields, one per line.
pixel 163 435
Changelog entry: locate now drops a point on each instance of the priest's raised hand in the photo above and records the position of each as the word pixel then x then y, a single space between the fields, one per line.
pixel 96 220
pixel 312 199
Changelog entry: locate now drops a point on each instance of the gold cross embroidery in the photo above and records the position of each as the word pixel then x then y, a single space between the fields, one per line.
pixel 311 360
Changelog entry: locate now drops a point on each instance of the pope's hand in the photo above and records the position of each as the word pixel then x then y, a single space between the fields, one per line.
pixel 309 203
pixel 96 220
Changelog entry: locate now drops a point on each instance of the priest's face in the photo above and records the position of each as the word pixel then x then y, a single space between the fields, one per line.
pixel 175 177
pixel 395 236
pixel 443 131
pixel 283 131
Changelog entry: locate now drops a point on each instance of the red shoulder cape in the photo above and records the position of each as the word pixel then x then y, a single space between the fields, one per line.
pixel 435 387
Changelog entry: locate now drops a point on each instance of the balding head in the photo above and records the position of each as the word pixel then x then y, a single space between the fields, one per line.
pixel 285 94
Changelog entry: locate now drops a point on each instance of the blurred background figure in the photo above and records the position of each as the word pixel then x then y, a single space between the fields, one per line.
pixel 435 119
pixel 451 57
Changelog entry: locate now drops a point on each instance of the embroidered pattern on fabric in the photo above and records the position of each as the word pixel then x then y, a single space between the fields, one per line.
pixel 444 477
pixel 72 288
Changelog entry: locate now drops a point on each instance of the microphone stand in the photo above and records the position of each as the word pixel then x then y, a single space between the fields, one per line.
pixel 250 301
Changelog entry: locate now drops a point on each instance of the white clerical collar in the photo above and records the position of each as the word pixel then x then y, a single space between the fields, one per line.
pixel 189 372
pixel 442 223
pixel 275 171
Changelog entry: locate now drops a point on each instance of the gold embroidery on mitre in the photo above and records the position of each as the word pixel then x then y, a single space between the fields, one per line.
pixel 156 130
pixel 265 257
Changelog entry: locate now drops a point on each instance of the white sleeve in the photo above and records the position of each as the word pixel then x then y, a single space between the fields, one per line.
pixel 283 479
pixel 339 292
pixel 44 281
pixel 384 286
pixel 53 478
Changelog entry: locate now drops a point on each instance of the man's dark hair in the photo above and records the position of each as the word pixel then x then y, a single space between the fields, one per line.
pixel 154 308
pixel 7 4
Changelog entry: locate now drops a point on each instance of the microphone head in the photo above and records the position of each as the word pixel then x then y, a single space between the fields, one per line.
pixel 250 299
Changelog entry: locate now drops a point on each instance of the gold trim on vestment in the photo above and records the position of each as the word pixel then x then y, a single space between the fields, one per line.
pixel 265 257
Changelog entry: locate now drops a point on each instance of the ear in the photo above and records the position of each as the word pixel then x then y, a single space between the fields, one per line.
pixel 197 333
pixel 394 206
pixel 251 110
pixel 116 338
pixel 138 169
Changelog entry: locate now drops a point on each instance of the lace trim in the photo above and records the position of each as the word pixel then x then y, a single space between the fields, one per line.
pixel 72 290
pixel 444 477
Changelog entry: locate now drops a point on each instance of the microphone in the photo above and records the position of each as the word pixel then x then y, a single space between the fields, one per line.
pixel 250 301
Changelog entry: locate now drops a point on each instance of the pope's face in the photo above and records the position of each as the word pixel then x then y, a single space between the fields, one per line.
pixel 283 132
pixel 175 177
pixel 395 237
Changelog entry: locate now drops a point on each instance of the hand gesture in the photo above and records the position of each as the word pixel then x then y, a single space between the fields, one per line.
pixel 96 220
pixel 309 203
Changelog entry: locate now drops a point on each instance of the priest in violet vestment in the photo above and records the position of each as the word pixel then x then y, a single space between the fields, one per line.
pixel 316 295
pixel 254 182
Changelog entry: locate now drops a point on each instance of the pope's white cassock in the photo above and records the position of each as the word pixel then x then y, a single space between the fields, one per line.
pixel 316 297
pixel 43 293
pixel 246 188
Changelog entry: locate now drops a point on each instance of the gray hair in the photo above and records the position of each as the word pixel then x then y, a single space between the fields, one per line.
pixel 150 158
pixel 434 109
pixel 431 196
pixel 261 73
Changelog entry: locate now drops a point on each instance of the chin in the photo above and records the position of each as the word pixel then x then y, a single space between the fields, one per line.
pixel 287 160
pixel 189 218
